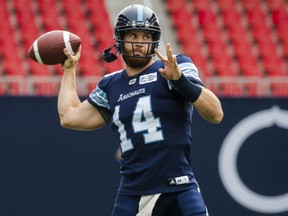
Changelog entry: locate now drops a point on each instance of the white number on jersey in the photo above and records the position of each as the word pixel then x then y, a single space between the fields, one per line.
pixel 143 121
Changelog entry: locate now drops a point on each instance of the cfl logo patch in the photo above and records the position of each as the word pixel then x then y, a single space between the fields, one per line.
pixel 148 78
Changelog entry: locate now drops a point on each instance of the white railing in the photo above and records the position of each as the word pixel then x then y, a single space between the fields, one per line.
pixel 222 86
pixel 248 86
pixel 43 85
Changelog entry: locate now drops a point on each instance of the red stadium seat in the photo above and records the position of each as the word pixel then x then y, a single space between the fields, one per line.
pixel 226 4
pixel 212 33
pixel 256 16
pixel 76 22
pixel 89 60
pixel 206 17
pixel 37 69
pixel 104 36
pixel 237 34
pixel 272 4
pixel 274 66
pixel 99 17
pixel 173 5
pixel 201 4
pixel 186 33
pixel 248 4
pixel 191 47
pixel 9 46
pixel 24 15
pixel 217 48
pixel 113 66
pixel 15 88
pixel 285 48
pixel 4 14
pixel 248 65
pixel 241 48
pixel 45 89
pixel 223 66
pixel 279 16
pixel 95 4
pixel 57 70
pixel 47 3
pixel 282 32
pixel 261 32
pixel 29 35
pixel 251 89
pixel 72 5
pixel 231 16
pixel 279 89
pixel 90 66
pixel 21 3
pixel 90 69
pixel 231 89
pixel 3 90
pixel 267 48
pixel 50 18
pixel 13 64
pixel 181 16
pixel 13 68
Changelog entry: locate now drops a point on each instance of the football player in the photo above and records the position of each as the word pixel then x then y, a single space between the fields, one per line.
pixel 150 104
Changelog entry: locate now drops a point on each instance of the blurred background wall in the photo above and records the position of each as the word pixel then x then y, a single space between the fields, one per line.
pixel 48 170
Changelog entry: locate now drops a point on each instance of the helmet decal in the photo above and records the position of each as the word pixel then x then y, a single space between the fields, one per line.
pixel 140 13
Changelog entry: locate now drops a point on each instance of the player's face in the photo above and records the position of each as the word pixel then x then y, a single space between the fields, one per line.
pixel 137 47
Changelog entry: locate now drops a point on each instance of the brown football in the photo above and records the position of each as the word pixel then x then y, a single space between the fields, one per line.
pixel 48 48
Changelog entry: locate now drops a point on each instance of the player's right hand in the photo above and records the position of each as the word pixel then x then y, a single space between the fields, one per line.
pixel 72 60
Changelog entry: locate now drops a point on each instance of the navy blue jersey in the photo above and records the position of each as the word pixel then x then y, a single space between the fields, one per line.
pixel 152 121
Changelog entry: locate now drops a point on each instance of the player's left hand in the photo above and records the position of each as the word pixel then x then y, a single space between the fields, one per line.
pixel 171 70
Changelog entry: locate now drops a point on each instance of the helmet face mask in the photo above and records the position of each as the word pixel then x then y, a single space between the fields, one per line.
pixel 123 44
pixel 140 18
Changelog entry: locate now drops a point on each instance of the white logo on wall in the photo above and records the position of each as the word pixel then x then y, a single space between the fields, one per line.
pixel 228 161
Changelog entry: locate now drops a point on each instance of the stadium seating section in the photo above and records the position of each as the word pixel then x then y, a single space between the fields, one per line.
pixel 239 46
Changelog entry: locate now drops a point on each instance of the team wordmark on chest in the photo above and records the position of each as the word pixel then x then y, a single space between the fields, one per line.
pixel 131 94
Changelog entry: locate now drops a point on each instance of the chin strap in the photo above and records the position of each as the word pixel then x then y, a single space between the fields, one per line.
pixel 107 55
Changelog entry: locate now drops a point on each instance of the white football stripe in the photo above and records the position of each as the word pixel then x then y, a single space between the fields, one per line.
pixel 36 52
pixel 67 42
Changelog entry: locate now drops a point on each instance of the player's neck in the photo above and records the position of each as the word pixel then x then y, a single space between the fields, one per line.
pixel 134 71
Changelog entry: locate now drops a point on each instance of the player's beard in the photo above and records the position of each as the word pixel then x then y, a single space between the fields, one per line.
pixel 136 62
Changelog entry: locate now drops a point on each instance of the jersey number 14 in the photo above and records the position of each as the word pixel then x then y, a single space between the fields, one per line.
pixel 143 121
